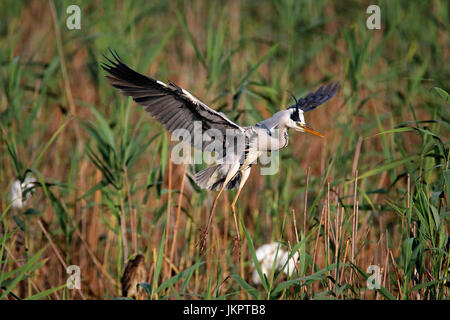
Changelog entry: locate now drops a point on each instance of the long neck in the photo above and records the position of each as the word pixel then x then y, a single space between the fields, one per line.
pixel 283 138
pixel 275 122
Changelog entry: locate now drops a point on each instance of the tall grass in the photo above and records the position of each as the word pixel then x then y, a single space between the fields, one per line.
pixel 374 192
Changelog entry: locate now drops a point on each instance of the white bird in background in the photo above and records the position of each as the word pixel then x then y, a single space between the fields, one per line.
pixel 20 192
pixel 175 109
pixel 271 255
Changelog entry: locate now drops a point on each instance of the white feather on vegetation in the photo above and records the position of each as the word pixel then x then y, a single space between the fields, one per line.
pixel 266 255
pixel 17 190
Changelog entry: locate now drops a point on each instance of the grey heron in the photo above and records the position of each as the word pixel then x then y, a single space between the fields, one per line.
pixel 176 109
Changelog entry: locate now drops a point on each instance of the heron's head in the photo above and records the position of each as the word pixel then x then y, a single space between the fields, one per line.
pixel 297 122
pixel 310 102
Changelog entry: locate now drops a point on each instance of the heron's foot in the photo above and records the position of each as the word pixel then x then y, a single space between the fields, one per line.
pixel 236 251
pixel 202 242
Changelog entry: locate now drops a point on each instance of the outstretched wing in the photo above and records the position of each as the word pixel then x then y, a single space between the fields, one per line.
pixel 172 106
pixel 314 99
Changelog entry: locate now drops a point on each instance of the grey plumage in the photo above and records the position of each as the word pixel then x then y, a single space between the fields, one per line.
pixel 175 108
pixel 171 105
pixel 213 177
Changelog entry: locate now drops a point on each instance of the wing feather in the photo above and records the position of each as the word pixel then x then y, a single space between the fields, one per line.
pixel 314 99
pixel 171 105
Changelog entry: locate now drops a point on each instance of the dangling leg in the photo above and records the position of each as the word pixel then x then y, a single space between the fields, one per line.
pixel 237 239
pixel 202 243
pixel 204 234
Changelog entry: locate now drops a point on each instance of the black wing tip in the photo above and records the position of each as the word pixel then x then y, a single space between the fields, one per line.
pixel 334 87
pixel 111 63
pixel 117 71
pixel 318 97
pixel 116 68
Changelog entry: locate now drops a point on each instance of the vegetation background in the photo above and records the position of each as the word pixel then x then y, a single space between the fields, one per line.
pixel 93 169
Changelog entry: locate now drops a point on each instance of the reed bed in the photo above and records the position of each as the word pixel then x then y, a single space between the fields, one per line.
pixel 97 186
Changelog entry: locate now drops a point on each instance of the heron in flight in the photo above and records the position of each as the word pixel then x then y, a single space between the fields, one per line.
pixel 177 109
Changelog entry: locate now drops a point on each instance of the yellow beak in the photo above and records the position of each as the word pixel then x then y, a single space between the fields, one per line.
pixel 310 130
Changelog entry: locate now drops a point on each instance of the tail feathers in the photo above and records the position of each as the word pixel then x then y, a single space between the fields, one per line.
pixel 213 178
pixel 203 177
pixel 233 183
